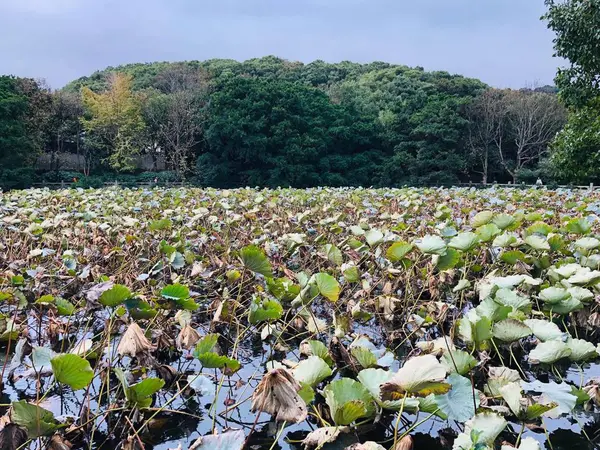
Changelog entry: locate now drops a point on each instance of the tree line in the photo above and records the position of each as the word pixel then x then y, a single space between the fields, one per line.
pixel 272 122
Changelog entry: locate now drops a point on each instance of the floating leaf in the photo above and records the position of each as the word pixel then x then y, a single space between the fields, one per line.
pixel 545 331
pixel 72 370
pixel 328 286
pixel 432 245
pixel 420 375
pixel 460 402
pixel 549 352
pixel 464 241
pixel 449 260
pixel 264 309
pixel 175 292
pixel 560 394
pixel 115 295
pixel 374 237
pixel 581 350
pixel 312 371
pixel 231 440
pixel 256 261
pixel 398 250
pixel 458 361
pixel 511 330
pixel 35 419
pixel 348 400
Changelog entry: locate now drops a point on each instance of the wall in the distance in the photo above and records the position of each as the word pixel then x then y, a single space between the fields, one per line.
pixel 74 162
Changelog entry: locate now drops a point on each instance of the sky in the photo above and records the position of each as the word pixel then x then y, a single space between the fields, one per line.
pixel 502 42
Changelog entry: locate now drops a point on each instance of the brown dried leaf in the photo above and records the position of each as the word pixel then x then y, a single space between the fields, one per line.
pixel 134 343
pixel 277 394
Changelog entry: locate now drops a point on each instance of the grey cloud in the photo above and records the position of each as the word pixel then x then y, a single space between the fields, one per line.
pixel 503 42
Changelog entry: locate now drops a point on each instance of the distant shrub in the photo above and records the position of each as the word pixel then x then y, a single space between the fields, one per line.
pixel 160 177
pixel 59 176
pixel 89 182
pixel 21 178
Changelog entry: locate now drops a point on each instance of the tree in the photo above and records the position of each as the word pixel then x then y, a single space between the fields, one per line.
pixel 64 125
pixel 16 148
pixel 276 133
pixel 576 151
pixel 534 119
pixel 575 155
pixel 115 119
pixel 486 115
pixel 576 24
pixel 24 112
pixel 176 115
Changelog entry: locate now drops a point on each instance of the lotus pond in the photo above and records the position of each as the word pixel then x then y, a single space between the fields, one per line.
pixel 287 319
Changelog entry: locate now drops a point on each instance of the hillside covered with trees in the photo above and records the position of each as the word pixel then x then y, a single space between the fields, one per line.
pixel 272 122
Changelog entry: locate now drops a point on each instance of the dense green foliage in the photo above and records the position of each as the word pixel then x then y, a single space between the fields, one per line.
pixel 576 151
pixel 271 122
pixel 277 133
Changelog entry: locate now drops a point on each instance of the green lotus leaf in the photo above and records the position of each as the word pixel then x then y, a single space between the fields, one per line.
pixel 448 261
pixel 374 237
pixel 464 241
pixel 348 400
pixel 72 370
pixel 420 375
pixel 398 250
pixel 140 394
pixel 487 232
pixel 115 296
pixel 458 361
pixel 333 254
pixel 513 256
pixel 553 393
pixel 504 221
pixel 554 295
pixel 545 330
pixel 539 228
pixel 328 286
pixel 460 402
pixel 581 350
pixel 485 427
pixel 36 420
pixel 262 309
pixel 64 307
pixel 351 273
pixel 175 292
pixel 564 307
pixel 537 242
pixel 587 243
pixel 498 378
pixel 508 297
pixel 482 218
pixel 364 356
pixel 432 245
pixel 579 226
pixel 511 330
pixel 549 352
pixel 312 371
pixel 372 379
pixel 255 260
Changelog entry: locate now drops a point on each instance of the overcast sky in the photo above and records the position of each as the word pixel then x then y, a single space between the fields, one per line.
pixel 502 42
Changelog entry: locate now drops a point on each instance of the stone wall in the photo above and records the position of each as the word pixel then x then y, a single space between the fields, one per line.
pixel 74 162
